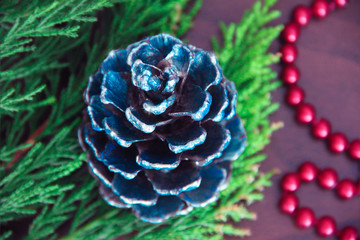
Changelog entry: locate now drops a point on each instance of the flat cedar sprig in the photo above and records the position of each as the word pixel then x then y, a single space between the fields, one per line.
pixel 36 183
pixel 43 77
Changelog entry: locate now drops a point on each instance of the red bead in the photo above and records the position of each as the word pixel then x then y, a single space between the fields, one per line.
pixel 291 32
pixel 326 226
pixel 295 95
pixel 305 113
pixel 307 171
pixel 321 128
pixel 304 218
pixel 289 203
pixel 320 8
pixel 357 191
pixel 288 53
pixel 328 178
pixel 346 189
pixel 302 15
pixel 290 74
pixel 348 233
pixel 341 3
pixel 290 182
pixel 337 142
pixel 354 149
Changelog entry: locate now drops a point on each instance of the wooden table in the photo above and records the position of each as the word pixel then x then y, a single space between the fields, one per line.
pixel 329 60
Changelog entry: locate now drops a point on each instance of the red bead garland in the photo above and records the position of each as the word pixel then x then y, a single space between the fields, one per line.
pixel 341 3
pixel 320 8
pixel 354 149
pixel 290 75
pixel 304 217
pixel 348 233
pixel 288 53
pixel 291 32
pixel 307 172
pixel 290 182
pixel 295 95
pixel 320 128
pixel 328 178
pixel 289 203
pixel 326 226
pixel 305 113
pixel 338 142
pixel 346 189
pixel 302 15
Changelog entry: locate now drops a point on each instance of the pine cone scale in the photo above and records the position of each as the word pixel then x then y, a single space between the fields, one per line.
pixel 167 206
pixel 120 160
pixel 187 139
pixel 156 155
pixel 114 91
pixel 122 134
pixel 134 191
pixel 183 178
pixel 213 179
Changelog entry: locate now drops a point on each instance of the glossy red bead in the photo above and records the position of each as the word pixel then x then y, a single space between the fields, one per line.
pixel 320 8
pixel 341 3
pixel 346 189
pixel 288 53
pixel 327 178
pixel 291 32
pixel 290 182
pixel 289 203
pixel 354 149
pixel 348 233
pixel 304 218
pixel 302 15
pixel 326 226
pixel 337 142
pixel 305 113
pixel 290 74
pixel 321 128
pixel 295 95
pixel 307 171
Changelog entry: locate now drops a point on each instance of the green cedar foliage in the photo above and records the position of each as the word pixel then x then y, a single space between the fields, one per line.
pixel 47 51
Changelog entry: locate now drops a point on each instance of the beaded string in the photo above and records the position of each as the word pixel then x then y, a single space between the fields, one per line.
pixel 304 217
pixel 320 127
pixel 295 96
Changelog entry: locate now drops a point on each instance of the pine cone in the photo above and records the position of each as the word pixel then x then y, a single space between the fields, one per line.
pixel 160 128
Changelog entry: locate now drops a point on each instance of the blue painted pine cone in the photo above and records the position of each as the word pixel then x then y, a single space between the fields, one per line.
pixel 161 128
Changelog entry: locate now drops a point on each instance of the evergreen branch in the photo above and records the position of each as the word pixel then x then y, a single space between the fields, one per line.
pixel 245 61
pixel 21 101
pixel 42 20
pixel 42 171
pixel 22 149
pixel 52 167
pixel 5 235
pixel 34 180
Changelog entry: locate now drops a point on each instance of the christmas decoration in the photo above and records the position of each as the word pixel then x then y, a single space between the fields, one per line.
pixel 48 51
pixel 321 129
pixel 305 217
pixel 162 128
pixel 305 112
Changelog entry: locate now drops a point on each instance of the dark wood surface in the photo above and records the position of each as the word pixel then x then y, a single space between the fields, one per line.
pixel 329 61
